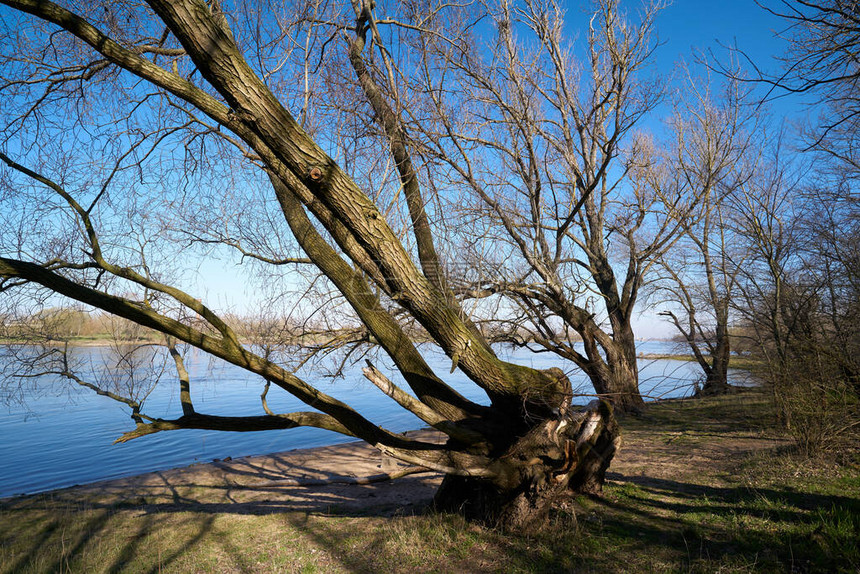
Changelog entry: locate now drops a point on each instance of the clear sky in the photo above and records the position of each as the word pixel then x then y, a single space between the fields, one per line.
pixel 705 24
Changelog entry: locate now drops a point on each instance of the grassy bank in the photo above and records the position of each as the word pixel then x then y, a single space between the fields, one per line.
pixel 700 486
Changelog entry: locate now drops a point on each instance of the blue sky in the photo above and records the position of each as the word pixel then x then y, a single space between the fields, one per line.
pixel 684 28
pixel 704 24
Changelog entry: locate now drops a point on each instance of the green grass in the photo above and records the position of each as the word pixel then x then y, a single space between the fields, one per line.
pixel 701 486
pixel 695 527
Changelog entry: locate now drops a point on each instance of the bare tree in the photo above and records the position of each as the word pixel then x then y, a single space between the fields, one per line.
pixel 784 299
pixel 765 225
pixel 798 301
pixel 822 62
pixel 119 117
pixel 833 255
pixel 712 153
pixel 559 219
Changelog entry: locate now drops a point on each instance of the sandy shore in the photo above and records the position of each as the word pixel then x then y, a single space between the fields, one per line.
pixel 346 478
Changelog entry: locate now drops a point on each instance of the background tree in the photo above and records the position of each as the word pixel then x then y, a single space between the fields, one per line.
pixel 833 255
pixel 805 250
pixel 793 299
pixel 713 152
pixel 821 62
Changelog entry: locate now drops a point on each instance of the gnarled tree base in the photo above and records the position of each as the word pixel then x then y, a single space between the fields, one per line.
pixel 554 461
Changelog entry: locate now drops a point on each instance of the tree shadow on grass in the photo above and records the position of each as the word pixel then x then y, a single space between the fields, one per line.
pixel 764 528
pixel 46 531
pixel 730 496
pixel 643 523
pixel 55 531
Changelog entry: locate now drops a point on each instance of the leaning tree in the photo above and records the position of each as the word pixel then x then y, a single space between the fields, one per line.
pixel 128 128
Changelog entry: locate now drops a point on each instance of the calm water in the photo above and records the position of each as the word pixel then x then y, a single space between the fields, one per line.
pixel 64 437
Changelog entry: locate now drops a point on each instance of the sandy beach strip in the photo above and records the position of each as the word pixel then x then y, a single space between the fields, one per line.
pixel 346 478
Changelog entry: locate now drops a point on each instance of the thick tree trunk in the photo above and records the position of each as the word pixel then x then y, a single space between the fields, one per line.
pixel 556 459
pixel 625 387
pixel 616 378
pixel 625 372
pixel 716 381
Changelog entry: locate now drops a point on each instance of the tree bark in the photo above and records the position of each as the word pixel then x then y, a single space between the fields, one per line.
pixel 717 377
pixel 617 377
pixel 554 461
pixel 505 464
pixel 624 370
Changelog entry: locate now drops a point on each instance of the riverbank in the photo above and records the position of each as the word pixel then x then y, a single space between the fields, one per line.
pixel 51 425
pixel 337 477
pixel 699 485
